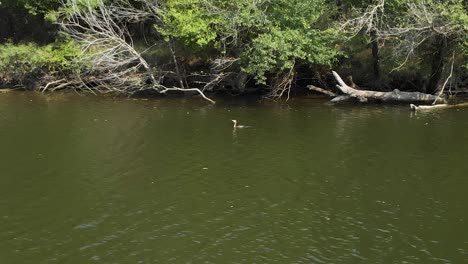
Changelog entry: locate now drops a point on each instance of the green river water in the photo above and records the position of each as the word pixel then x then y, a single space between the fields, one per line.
pixel 86 179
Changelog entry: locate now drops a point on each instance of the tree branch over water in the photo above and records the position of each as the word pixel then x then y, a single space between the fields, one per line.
pixel 107 46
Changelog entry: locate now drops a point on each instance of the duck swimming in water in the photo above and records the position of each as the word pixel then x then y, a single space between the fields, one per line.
pixel 238 126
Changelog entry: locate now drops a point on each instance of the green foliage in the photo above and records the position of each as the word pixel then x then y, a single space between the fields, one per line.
pixel 269 36
pixel 293 37
pixel 18 61
pixel 187 22
pixel 456 13
pixel 464 51
pixel 202 24
pixel 280 50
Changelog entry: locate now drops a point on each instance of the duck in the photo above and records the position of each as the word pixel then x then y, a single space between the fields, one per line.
pixel 238 126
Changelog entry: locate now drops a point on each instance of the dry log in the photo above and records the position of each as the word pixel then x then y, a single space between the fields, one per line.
pixel 366 95
pixel 321 90
pixel 340 98
pixel 436 107
pixel 394 96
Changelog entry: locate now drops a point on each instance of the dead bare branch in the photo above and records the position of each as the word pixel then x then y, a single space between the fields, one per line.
pixel 370 19
pixel 188 90
pixel 446 80
pixel 321 90
pixel 52 83
pixel 420 23
pixel 282 85
pixel 107 46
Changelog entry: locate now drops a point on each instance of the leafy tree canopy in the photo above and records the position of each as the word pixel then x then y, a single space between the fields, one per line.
pixel 268 36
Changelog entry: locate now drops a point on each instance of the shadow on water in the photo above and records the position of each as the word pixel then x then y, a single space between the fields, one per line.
pixel 91 179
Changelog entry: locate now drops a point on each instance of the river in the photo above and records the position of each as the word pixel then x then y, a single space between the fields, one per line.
pixel 87 179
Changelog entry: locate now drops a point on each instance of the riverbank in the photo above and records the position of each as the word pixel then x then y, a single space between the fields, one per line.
pixel 129 48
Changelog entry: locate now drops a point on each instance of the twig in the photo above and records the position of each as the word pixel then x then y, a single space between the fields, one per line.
pixel 61 86
pixel 51 83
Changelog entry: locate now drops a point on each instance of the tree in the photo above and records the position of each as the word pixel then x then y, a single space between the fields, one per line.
pixel 114 64
pixel 265 38
pixel 413 26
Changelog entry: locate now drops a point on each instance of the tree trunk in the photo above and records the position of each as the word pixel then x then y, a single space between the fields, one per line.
pixel 437 66
pixel 176 65
pixel 375 56
pixel 11 27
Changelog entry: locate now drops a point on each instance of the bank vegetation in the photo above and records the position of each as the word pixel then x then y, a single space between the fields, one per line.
pixel 386 50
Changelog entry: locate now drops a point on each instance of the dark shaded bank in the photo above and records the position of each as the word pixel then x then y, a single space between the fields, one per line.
pixel 18 25
pixel 228 88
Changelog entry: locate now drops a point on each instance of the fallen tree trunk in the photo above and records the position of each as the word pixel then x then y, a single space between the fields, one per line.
pixel 393 96
pixel 366 95
pixel 436 107
pixel 321 90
